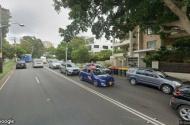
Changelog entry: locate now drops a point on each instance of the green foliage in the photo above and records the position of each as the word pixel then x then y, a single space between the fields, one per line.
pixel 38 47
pixel 116 17
pixel 103 55
pixel 178 52
pixel 108 64
pixel 20 51
pixel 8 50
pixel 51 50
pixel 119 51
pixel 5 19
pixel 27 46
pixel 61 51
pixel 80 55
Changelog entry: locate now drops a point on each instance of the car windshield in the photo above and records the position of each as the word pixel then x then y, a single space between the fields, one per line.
pixel 71 65
pixel 99 72
pixel 99 66
pixel 55 61
pixel 161 74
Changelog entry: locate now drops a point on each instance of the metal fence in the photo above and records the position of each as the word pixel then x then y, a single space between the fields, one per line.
pixel 174 67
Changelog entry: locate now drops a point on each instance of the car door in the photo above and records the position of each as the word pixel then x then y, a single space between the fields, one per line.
pixel 140 74
pixel 64 68
pixel 89 76
pixel 84 74
pixel 152 78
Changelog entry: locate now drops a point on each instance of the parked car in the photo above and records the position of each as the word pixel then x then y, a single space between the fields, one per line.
pixel 153 77
pixel 21 65
pixel 181 101
pixel 54 64
pixel 99 66
pixel 44 60
pixel 97 77
pixel 38 63
pixel 69 69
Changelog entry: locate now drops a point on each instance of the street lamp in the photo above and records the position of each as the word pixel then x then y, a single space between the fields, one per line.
pixel 1 55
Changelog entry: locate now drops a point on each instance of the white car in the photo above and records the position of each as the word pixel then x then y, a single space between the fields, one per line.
pixel 54 64
pixel 37 63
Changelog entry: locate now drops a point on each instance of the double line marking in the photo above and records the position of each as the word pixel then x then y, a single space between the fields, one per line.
pixel 6 81
pixel 131 110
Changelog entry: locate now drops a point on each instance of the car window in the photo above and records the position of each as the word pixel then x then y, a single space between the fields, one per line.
pixel 161 74
pixel 84 70
pixel 99 72
pixel 38 60
pixel 150 73
pixel 132 70
pixel 141 72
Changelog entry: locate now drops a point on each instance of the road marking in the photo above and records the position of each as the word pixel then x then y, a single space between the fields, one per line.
pixel 5 82
pixel 131 110
pixel 37 80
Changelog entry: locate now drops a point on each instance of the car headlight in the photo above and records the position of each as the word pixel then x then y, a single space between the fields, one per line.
pixel 70 70
pixel 176 83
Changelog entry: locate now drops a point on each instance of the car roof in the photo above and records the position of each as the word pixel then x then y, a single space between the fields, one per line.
pixel 146 68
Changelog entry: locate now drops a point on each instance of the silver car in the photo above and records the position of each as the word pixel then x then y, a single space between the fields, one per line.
pixel 153 77
pixel 54 64
pixel 69 69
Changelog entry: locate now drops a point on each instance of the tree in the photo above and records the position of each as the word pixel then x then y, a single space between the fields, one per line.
pixel 8 50
pixel 117 17
pixel 103 55
pixel 51 50
pixel 20 51
pixel 5 19
pixel 81 55
pixel 61 51
pixel 74 44
pixel 27 46
pixel 38 47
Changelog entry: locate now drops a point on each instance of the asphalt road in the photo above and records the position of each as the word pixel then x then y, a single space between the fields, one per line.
pixel 42 96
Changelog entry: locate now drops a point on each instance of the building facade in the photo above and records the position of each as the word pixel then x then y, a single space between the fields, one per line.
pixel 48 44
pixel 132 50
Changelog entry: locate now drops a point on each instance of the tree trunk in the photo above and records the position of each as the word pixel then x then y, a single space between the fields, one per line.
pixel 185 23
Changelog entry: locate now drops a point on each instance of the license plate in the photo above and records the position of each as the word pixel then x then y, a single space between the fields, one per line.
pixel 110 83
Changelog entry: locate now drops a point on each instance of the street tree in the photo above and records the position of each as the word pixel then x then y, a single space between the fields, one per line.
pixel 8 50
pixel 117 17
pixel 81 55
pixel 61 51
pixel 27 46
pixel 38 47
pixel 20 51
pixel 5 17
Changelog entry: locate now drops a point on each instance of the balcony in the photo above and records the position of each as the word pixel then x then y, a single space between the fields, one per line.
pixel 120 44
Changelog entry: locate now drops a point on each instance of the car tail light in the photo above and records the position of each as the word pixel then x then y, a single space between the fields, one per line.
pixel 175 99
pixel 177 92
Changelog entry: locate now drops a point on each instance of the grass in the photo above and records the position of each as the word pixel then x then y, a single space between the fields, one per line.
pixel 7 69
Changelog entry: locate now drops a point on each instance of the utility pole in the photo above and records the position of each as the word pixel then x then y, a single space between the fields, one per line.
pixel 1 35
pixel 14 38
pixel 66 53
pixel 32 50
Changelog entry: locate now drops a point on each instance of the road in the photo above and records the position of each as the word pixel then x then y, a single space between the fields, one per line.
pixel 42 96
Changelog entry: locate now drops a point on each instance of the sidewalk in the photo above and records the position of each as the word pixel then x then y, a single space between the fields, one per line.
pixel 182 76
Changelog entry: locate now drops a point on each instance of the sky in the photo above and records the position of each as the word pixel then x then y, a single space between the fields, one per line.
pixel 40 20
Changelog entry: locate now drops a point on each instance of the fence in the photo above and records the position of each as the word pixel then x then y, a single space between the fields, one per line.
pixel 174 67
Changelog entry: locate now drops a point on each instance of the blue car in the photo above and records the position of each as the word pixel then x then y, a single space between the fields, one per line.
pixel 96 77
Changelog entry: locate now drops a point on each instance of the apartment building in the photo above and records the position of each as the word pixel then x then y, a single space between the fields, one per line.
pixel 96 45
pixel 48 44
pixel 134 48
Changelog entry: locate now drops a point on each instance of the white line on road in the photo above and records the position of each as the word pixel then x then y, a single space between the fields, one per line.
pixel 131 110
pixel 37 80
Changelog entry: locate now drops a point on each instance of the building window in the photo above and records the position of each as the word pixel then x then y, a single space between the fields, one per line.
pixel 96 46
pixel 151 44
pixel 132 62
pixel 149 31
pixel 111 47
pixel 105 47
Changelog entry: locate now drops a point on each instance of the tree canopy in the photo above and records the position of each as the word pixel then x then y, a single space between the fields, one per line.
pixel 117 17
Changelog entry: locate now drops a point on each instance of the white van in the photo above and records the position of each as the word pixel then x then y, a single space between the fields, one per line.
pixel 38 63
pixel 44 59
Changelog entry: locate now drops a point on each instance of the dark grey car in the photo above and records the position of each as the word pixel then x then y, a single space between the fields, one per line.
pixel 153 77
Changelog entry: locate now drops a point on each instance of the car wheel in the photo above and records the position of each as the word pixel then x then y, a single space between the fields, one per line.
pixel 95 83
pixel 184 112
pixel 66 73
pixel 167 89
pixel 81 78
pixel 42 67
pixel 49 66
pixel 133 81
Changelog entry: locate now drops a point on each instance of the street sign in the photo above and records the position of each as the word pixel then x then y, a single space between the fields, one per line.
pixel 1 55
